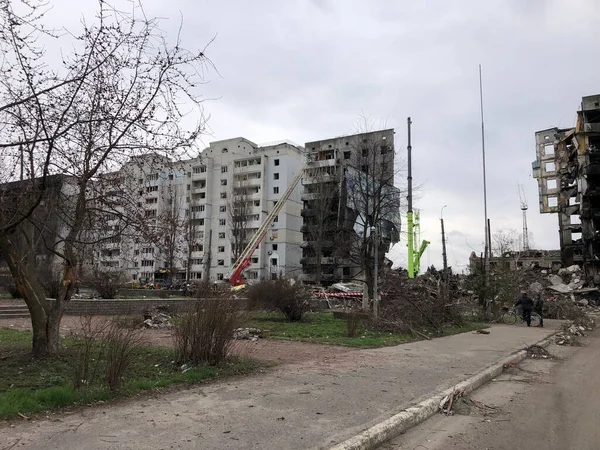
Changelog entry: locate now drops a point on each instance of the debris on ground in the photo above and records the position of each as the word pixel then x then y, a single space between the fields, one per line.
pixel 250 334
pixel 448 402
pixel 482 332
pixel 570 334
pixel 537 351
pixel 157 318
pixel 466 406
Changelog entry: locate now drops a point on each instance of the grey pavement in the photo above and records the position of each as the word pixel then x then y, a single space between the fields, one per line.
pixel 309 405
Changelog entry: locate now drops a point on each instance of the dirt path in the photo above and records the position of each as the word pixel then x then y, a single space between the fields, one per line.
pixel 281 352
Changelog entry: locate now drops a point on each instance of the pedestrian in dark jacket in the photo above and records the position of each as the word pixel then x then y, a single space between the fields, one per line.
pixel 539 308
pixel 527 306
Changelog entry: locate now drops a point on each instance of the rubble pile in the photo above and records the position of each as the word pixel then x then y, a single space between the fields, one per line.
pixel 419 304
pixel 157 318
pixel 565 291
pixel 570 334
pixel 250 334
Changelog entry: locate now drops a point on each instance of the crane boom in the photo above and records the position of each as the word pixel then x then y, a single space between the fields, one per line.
pixel 243 261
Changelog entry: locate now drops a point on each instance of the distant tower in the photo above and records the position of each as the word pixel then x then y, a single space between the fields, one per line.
pixel 524 209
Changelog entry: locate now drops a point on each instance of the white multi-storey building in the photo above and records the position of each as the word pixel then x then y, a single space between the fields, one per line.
pixel 190 219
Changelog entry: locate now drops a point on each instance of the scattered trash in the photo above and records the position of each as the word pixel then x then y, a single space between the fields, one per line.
pixel 157 319
pixel 251 334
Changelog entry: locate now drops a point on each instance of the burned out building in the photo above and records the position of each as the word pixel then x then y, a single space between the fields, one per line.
pixel 567 169
pixel 348 194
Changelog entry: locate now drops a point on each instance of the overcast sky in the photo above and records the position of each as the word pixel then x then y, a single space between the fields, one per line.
pixel 308 69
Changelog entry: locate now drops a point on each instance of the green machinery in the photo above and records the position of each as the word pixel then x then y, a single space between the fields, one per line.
pixel 414 252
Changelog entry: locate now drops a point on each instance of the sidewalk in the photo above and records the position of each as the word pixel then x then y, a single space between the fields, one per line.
pixel 304 406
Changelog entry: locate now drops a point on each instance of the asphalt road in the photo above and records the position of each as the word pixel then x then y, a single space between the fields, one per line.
pixel 542 404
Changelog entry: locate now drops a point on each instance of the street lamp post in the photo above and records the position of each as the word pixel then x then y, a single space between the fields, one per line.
pixel 375 238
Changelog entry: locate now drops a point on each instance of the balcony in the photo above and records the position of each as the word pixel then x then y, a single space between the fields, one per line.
pixel 323 163
pixel 312 260
pixel 319 179
pixel 199 176
pixel 591 127
pixel 198 190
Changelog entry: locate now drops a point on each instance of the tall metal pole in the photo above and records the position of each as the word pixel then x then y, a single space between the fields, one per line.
pixel 409 214
pixel 375 238
pixel 487 242
pixel 444 255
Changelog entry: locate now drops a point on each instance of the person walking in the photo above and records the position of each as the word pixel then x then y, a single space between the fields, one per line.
pixel 526 305
pixel 539 308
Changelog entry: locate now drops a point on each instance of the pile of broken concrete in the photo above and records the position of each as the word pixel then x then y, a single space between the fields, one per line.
pixel 567 280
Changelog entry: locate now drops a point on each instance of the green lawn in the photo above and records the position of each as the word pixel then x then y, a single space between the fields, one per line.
pixel 323 328
pixel 29 386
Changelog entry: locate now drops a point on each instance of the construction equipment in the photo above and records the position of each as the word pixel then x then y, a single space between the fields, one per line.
pixel 414 253
pixel 235 275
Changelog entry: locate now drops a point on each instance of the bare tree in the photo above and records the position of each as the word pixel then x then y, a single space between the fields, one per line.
pixel 321 219
pixel 117 93
pixel 369 200
pixel 170 231
pixel 505 242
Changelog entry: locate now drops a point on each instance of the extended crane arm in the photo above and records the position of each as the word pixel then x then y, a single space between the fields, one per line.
pixel 235 275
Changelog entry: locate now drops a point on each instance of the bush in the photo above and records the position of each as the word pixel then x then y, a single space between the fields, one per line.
pixel 105 283
pixel 204 335
pixel 103 345
pixel 120 345
pixel 90 349
pixel 287 296
pixel 354 321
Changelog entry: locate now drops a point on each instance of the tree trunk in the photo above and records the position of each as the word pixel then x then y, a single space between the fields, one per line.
pixel 18 251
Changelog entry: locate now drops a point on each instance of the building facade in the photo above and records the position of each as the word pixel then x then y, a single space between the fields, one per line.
pixel 189 220
pixel 567 168
pixel 348 189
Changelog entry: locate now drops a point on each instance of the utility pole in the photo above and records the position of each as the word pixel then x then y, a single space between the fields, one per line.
pixel 445 277
pixel 375 238
pixel 444 256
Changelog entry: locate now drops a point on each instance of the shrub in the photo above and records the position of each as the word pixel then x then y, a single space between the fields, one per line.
pixel 105 283
pixel 204 335
pixel 120 345
pixel 287 296
pixel 354 320
pixel 90 349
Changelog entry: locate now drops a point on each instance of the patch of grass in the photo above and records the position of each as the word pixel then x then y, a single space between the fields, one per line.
pixel 323 328
pixel 29 386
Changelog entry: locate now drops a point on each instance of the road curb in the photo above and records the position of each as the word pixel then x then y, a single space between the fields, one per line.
pixel 378 434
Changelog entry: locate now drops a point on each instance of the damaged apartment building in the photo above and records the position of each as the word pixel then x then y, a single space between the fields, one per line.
pixel 348 194
pixel 567 169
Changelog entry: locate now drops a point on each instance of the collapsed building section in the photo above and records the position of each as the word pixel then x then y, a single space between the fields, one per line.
pixel 567 168
pixel 348 194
